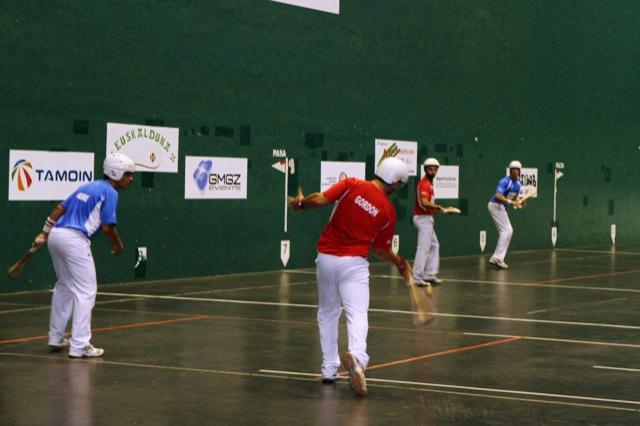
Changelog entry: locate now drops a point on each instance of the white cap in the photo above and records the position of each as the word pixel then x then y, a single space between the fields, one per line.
pixel 392 170
pixel 431 162
pixel 116 164
pixel 515 164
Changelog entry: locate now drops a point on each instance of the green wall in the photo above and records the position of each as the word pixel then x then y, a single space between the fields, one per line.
pixel 538 81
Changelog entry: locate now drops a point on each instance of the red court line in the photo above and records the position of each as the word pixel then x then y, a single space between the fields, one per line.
pixel 586 277
pixel 114 327
pixel 447 352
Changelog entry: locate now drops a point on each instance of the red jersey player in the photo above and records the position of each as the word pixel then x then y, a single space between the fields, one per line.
pixel 426 263
pixel 363 217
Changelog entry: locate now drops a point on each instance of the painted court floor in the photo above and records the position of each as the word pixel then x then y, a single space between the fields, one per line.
pixel 555 339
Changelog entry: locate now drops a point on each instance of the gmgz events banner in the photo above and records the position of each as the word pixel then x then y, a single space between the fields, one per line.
pixel 215 177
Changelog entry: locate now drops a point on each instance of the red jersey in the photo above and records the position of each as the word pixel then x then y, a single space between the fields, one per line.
pixel 362 216
pixel 424 189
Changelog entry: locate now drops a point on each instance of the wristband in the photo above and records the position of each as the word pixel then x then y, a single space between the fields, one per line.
pixel 48 224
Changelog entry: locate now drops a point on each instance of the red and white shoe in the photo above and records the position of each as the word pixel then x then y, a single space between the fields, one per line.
pixel 58 346
pixel 87 352
pixel 498 262
pixel 356 374
pixel 433 281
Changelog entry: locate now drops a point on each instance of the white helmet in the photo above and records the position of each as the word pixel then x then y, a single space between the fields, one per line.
pixel 515 164
pixel 392 170
pixel 116 164
pixel 431 162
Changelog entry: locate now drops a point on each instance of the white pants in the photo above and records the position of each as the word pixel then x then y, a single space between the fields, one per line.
pixel 500 217
pixel 342 280
pixel 426 263
pixel 75 290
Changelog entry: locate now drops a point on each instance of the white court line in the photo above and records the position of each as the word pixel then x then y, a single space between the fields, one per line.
pixel 48 306
pixel 102 361
pixel 474 388
pixel 550 339
pixel 516 284
pixel 275 374
pixel 313 377
pixel 312 270
pixel 539 311
pixel 482 255
pixel 549 286
pixel 13 311
pixel 234 289
pixel 635 370
pixel 591 305
pixel 198 279
pixel 538 321
pixel 601 251
pixel 387 311
pixel 204 299
pixel 134 296
pixel 461 256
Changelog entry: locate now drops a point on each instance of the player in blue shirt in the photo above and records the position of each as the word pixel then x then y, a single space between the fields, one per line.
pixel 506 194
pixel 67 233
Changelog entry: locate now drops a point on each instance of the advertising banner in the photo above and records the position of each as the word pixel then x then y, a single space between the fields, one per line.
pixel 332 172
pixel 215 178
pixel 47 175
pixel 405 150
pixel 446 183
pixel 152 148
pixel 331 6
pixel 528 180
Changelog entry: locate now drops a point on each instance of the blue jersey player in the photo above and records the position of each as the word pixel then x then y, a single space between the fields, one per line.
pixel 67 232
pixel 506 194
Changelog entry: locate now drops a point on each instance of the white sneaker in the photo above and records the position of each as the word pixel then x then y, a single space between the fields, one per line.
pixel 499 263
pixel 422 283
pixel 58 346
pixel 330 379
pixel 356 374
pixel 87 352
pixel 433 281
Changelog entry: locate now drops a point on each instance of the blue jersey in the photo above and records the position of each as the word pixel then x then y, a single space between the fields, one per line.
pixel 508 188
pixel 89 207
